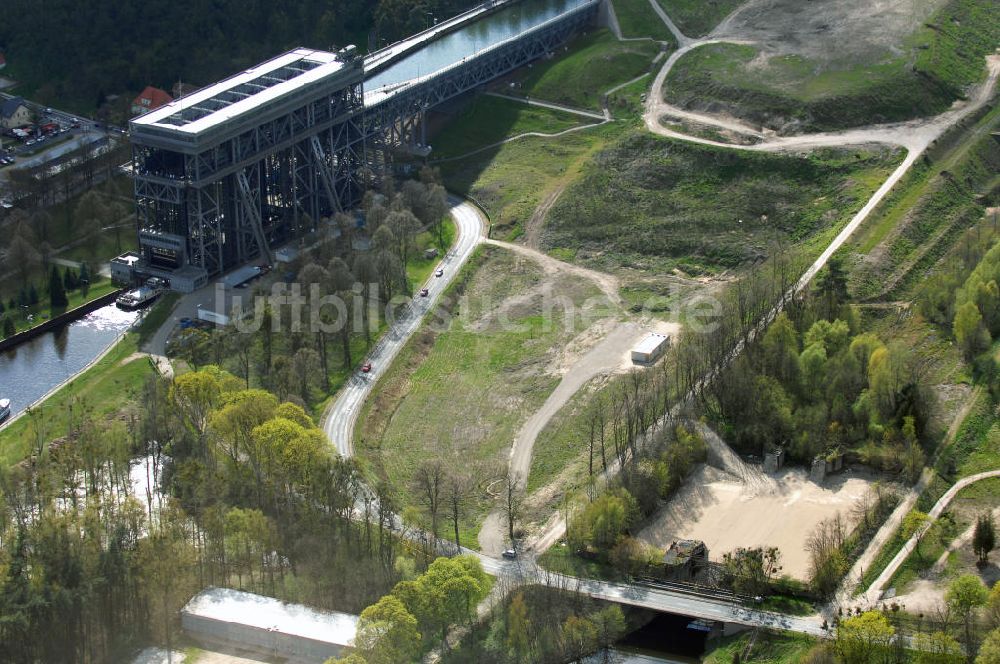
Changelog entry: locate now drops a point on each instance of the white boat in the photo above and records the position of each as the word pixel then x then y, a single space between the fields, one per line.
pixel 4 409
pixel 142 295
pixel 134 299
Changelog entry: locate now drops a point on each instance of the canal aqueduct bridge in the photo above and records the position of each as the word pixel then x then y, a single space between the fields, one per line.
pixel 231 170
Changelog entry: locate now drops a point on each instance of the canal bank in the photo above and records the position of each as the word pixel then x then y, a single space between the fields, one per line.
pixel 36 368
pixel 58 321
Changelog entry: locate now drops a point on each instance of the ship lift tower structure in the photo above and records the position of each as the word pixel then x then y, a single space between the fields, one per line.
pixel 227 172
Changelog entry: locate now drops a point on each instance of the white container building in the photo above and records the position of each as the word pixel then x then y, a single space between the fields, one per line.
pixel 265 625
pixel 650 349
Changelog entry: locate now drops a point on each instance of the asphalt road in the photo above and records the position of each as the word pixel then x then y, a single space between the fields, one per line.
pixel 338 422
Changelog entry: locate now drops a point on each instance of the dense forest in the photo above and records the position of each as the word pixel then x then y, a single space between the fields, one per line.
pixel 71 54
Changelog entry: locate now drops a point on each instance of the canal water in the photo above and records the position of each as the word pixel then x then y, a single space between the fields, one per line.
pixel 30 370
pixel 470 39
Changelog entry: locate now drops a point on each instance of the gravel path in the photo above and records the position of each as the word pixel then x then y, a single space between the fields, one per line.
pixel 874 591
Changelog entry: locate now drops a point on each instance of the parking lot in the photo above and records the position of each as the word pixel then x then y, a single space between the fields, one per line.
pixel 53 127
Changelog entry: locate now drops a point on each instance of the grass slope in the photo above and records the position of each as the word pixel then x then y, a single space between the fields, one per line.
pixel 923 217
pixel 769 648
pixel 512 179
pixel 461 394
pixel 655 204
pixel 935 67
pixel 488 120
pixel 594 63
pixel 696 18
pixel 636 18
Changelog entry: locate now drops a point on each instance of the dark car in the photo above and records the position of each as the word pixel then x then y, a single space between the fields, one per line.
pixel 509 554
pixel 424 292
pixel 366 367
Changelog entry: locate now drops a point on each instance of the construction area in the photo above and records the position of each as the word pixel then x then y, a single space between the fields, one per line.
pixel 728 504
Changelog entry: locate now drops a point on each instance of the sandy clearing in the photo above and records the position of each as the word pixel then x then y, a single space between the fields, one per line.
pixel 817 30
pixel 717 508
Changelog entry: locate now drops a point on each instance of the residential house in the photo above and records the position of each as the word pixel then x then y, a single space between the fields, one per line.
pixel 14 113
pixel 150 99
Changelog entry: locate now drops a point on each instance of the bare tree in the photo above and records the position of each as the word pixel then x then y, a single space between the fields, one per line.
pixel 457 496
pixel 428 483
pixel 514 502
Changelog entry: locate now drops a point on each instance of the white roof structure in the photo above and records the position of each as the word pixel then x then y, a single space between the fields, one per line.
pixel 267 613
pixel 244 92
pixel 650 344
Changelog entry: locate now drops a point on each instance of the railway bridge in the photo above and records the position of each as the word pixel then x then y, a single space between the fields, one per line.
pixel 227 173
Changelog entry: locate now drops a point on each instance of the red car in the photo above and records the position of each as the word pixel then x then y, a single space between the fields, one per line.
pixel 366 367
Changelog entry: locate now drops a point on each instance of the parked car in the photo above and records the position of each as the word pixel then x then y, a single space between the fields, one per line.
pixel 509 554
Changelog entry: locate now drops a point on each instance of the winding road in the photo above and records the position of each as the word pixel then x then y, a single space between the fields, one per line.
pixel 338 421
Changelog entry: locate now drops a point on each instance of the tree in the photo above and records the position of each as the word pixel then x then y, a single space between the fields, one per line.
pixel 162 559
pixel 518 628
pixel 580 637
pixel 914 525
pixel 514 500
pixel 447 593
pixel 353 658
pixel 305 366
pixel 989 652
pixel 781 350
pixel 22 256
pixel 964 596
pixel 8 327
pixel 970 333
pixel 993 606
pixel 387 633
pixel 984 537
pixel 938 648
pixel 456 495
pixel 832 285
pixel 751 570
pixel 57 292
pixel 610 623
pixel 605 520
pixel 404 226
pixel 428 484
pixel 864 639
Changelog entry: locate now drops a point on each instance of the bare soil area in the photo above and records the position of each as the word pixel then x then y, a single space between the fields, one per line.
pixel 819 29
pixel 725 512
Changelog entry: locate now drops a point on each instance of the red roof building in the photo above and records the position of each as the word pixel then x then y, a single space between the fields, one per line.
pixel 150 99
